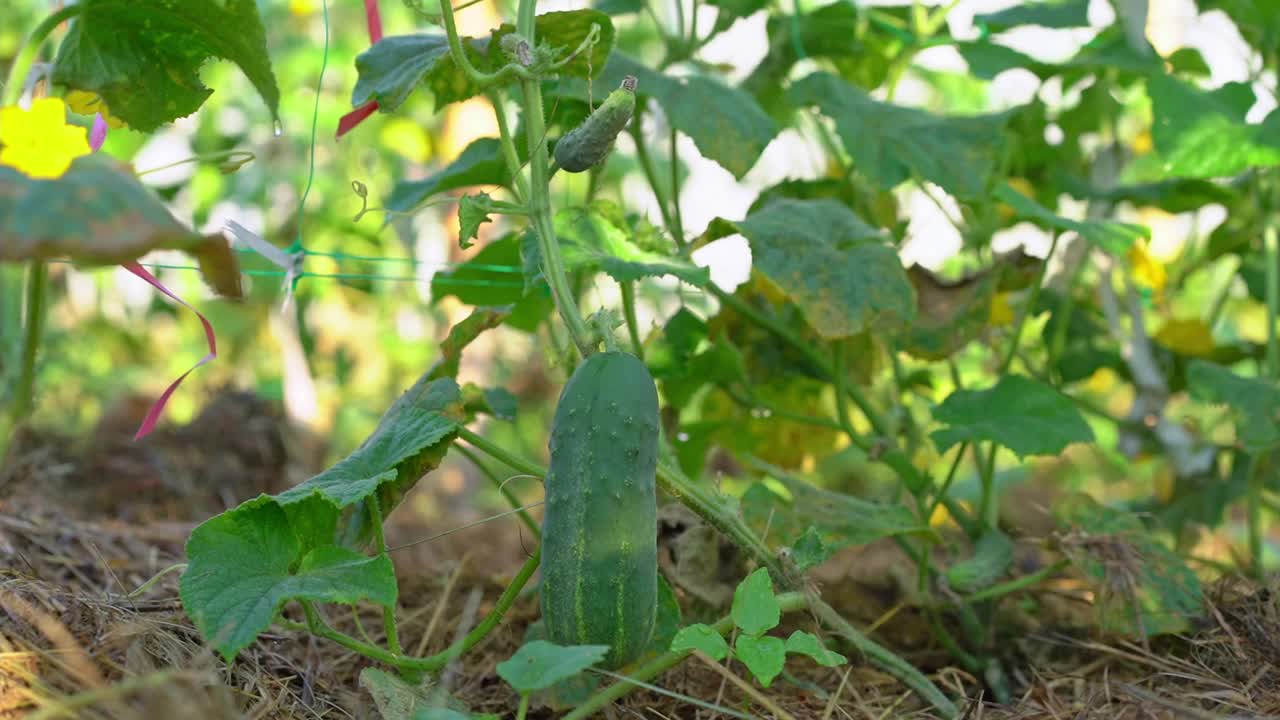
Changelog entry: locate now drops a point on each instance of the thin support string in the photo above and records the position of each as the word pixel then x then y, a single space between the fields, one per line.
pixel 297 246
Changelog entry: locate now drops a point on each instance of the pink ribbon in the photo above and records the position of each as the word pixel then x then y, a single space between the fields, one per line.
pixel 97 137
pixel 153 415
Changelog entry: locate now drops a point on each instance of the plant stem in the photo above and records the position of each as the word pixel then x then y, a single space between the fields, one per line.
pixel 990 503
pixel 636 129
pixel 493 478
pixel 498 453
pixel 789 602
pixel 509 147
pixel 785 333
pixel 524 706
pixel 1271 258
pixel 676 217
pixel 31 48
pixel 320 628
pixel 629 311
pixel 37 295
pixel 1256 465
pixel 483 79
pixel 380 544
pixel 1021 583
pixel 540 207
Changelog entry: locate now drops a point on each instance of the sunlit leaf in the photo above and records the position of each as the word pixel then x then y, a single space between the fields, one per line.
pixel 1204 134
pixel 836 268
pixel 891 143
pixel 143 57
pixel 481 163
pixel 1114 237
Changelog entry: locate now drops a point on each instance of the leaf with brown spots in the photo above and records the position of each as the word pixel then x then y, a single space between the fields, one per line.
pixel 99 214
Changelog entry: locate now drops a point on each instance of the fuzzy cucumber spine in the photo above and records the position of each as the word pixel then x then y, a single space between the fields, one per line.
pixel 588 144
pixel 599 532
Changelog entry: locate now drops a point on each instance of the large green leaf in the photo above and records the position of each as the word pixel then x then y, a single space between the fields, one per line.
pixel 1024 415
pixel 144 56
pixel 246 562
pixel 1114 237
pixel 395 66
pixel 243 565
pixel 97 213
pixel 890 143
pixel 1204 134
pixel 480 163
pixel 840 271
pixel 1045 13
pixel 592 238
pixel 725 123
pixel 390 70
pixel 411 438
pixel 540 664
pixel 1256 402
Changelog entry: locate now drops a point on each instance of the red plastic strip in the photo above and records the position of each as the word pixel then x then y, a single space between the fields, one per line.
pixel 349 121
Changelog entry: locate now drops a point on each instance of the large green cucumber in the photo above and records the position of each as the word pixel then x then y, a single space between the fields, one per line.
pixel 599 532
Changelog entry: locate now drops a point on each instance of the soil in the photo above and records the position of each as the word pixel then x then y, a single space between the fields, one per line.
pixel 85 523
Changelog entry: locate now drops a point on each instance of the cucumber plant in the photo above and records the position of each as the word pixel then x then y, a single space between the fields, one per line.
pixel 831 344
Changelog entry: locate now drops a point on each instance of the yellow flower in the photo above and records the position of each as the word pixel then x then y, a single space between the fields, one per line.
pixel 39 142
pixel 1147 270
pixel 83 102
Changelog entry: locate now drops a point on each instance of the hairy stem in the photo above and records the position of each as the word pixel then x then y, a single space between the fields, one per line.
pixel 629 311
pixel 509 147
pixel 1021 583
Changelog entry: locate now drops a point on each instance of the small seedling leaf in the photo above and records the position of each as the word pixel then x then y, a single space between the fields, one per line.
pixel 803 643
pixel 540 664
pixel 701 637
pixel 755 607
pixel 763 655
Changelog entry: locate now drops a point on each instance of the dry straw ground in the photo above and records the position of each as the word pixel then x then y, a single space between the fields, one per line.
pixel 83 527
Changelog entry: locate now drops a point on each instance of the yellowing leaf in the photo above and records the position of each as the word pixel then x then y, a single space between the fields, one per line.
pixel 1001 314
pixel 83 102
pixel 1023 186
pixel 1188 337
pixel 1103 381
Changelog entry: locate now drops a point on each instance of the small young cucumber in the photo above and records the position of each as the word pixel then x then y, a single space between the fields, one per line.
pixel 599 533
pixel 588 144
